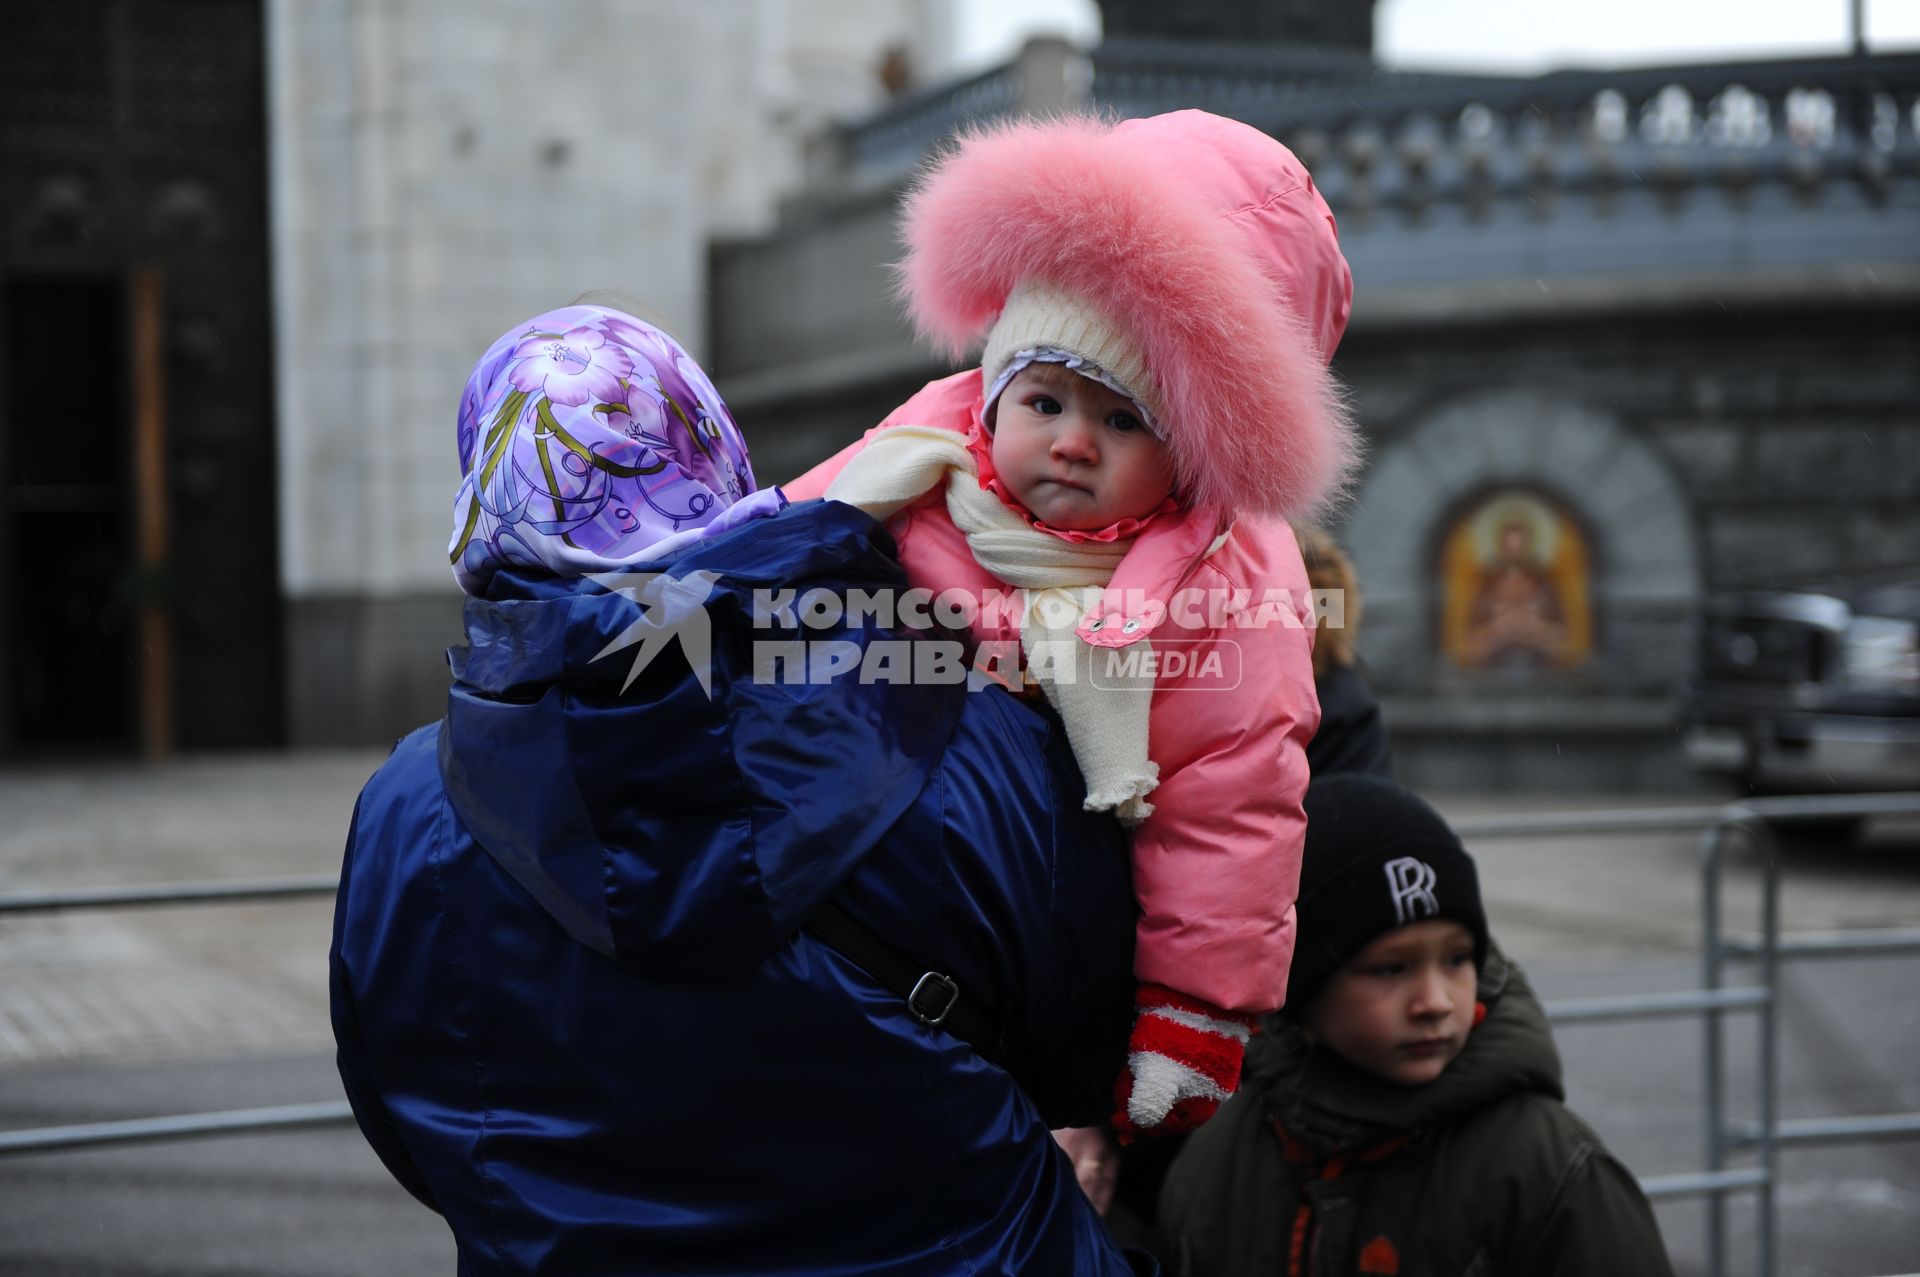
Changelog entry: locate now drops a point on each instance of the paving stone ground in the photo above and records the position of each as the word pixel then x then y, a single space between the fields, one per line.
pixel 137 1012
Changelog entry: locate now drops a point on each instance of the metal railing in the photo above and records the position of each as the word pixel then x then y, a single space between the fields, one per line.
pixel 1410 139
pixel 218 891
pixel 49 1139
pixel 1753 822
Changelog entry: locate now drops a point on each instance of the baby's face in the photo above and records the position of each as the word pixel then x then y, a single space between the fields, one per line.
pixel 1402 1007
pixel 1075 453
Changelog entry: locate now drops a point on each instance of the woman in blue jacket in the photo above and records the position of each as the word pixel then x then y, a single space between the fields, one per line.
pixel 581 1008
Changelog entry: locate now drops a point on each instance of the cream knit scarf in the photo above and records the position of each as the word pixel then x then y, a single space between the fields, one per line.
pixel 1106 725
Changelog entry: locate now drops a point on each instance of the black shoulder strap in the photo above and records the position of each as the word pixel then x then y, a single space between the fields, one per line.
pixel 932 997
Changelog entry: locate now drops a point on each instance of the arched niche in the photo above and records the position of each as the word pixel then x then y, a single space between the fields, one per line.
pixel 1642 574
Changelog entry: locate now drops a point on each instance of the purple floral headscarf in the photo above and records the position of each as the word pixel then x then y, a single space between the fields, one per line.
pixel 588 438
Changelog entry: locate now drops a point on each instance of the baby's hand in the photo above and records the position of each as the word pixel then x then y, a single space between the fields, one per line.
pixel 1182 1061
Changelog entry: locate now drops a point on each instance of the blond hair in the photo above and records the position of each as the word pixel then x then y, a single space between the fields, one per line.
pixel 1329 568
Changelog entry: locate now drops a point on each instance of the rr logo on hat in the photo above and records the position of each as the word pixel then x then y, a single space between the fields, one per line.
pixel 1411 882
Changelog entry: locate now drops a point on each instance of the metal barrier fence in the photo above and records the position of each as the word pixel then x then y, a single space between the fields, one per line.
pixel 1753 822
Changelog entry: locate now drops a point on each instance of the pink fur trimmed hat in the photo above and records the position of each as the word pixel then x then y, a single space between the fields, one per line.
pixel 1199 238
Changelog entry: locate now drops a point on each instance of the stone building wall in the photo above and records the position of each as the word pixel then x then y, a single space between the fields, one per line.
pixel 1671 309
pixel 1699 450
pixel 442 169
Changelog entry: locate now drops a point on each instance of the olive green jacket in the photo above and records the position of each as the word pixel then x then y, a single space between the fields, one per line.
pixel 1480 1173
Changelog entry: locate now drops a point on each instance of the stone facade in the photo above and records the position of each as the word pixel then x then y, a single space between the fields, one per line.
pixel 1699 451
pixel 445 168
pixel 1677 306
pixel 1320 23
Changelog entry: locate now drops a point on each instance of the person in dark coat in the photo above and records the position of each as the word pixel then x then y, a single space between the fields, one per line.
pixel 1405 1115
pixel 1351 739
pixel 581 1006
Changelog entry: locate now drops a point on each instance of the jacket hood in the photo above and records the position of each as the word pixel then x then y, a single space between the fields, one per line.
pixel 624 747
pixel 1203 240
pixel 1332 1106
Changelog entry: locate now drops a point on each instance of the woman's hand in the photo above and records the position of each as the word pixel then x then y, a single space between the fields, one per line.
pixel 1096 1162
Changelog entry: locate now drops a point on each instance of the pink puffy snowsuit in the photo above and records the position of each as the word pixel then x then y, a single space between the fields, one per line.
pixel 1205 241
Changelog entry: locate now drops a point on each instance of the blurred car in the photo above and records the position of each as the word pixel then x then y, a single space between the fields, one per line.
pixel 1814 689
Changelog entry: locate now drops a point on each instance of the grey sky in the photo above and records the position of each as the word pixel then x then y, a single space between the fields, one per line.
pixel 1518 35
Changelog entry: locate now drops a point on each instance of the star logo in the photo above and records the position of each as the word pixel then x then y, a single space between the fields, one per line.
pixel 670 607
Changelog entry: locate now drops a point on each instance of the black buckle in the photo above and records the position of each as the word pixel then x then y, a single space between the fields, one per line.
pixel 936 983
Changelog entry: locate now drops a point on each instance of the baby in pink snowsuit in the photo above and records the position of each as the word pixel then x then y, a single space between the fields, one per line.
pixel 1159 299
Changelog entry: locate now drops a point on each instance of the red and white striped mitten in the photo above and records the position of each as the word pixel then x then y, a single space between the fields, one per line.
pixel 1182 1061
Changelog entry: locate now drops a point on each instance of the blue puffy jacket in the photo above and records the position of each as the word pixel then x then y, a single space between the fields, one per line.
pixel 575 1011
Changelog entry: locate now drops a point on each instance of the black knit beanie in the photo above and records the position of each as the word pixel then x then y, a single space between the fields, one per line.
pixel 1377 858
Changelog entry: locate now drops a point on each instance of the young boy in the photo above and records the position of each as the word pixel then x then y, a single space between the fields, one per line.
pixel 1404 1115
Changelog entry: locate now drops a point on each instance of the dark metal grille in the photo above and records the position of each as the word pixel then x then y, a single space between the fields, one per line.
pixel 54 67
pixel 184 76
pixel 133 137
